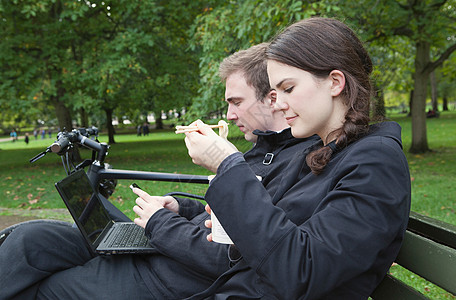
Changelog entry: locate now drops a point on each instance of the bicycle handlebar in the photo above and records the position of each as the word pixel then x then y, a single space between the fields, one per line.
pixel 65 139
pixel 98 171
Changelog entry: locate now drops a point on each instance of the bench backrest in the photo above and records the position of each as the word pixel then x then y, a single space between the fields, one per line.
pixel 428 250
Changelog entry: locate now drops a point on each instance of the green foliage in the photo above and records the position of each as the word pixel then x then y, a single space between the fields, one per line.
pixel 234 25
pixel 137 57
pixel 96 56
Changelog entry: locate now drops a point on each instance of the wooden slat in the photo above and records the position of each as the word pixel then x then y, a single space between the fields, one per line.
pixel 391 289
pixel 433 261
pixel 433 229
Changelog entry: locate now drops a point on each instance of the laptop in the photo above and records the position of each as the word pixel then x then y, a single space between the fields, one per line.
pixel 102 234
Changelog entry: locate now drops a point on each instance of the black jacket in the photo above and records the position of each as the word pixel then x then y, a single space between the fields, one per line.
pixel 331 236
pixel 188 262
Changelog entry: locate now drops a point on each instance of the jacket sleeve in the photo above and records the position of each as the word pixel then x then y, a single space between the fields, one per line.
pixel 189 208
pixel 185 241
pixel 360 215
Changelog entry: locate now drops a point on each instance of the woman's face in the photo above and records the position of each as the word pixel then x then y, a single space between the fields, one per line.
pixel 310 104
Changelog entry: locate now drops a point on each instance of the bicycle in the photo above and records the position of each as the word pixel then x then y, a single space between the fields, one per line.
pixel 101 175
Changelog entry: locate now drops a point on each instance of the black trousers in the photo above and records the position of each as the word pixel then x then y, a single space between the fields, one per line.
pixel 52 262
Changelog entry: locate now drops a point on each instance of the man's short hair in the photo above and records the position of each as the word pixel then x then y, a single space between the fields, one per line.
pixel 253 64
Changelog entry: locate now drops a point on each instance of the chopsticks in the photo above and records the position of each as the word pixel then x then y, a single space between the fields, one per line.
pixel 183 129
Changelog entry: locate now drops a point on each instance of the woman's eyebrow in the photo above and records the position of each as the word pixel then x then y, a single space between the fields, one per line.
pixel 281 83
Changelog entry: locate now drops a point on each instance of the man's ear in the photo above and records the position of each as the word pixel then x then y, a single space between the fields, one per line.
pixel 337 82
pixel 271 98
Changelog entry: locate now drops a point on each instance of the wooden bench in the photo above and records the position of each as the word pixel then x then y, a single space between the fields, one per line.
pixel 429 251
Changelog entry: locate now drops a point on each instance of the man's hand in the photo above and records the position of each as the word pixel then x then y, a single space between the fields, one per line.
pixel 206 148
pixel 146 206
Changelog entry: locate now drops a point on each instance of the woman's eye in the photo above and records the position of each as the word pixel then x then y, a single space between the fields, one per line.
pixel 288 90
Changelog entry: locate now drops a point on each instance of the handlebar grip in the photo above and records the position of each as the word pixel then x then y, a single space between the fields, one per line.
pixel 90 143
pixel 60 144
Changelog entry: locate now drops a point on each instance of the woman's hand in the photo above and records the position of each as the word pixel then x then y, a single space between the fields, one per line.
pixel 146 206
pixel 206 148
pixel 208 223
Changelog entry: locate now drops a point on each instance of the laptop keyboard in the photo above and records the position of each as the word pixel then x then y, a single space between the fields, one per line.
pixel 129 235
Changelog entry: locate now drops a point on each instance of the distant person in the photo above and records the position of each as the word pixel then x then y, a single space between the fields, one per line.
pixel 35 133
pixel 43 134
pixel 50 132
pixel 138 130
pixel 26 139
pixel 145 128
pixel 13 135
pixel 431 114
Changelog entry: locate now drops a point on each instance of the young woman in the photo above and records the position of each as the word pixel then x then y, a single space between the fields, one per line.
pixel 336 223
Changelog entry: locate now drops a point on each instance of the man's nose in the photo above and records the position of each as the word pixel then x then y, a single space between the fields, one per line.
pixel 280 105
pixel 230 114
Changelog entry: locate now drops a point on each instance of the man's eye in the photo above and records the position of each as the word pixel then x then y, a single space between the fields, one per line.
pixel 289 90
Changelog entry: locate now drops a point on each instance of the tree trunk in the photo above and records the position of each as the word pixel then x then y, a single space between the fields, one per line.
pixel 434 95
pixel 84 118
pixel 64 117
pixel 421 77
pixel 158 120
pixel 61 111
pixel 379 105
pixel 445 103
pixel 109 125
pixel 410 103
pixel 63 114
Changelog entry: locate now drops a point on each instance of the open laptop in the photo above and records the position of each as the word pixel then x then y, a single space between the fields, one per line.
pixel 102 234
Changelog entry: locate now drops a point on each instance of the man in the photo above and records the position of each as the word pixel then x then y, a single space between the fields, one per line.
pixel 52 262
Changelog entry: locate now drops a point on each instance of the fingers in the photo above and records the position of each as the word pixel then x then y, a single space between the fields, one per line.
pixel 208 223
pixel 141 202
pixel 203 129
pixel 140 192
pixel 141 220
pixel 145 209
pixel 209 237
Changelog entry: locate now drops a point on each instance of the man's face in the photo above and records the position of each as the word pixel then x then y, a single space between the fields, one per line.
pixel 244 109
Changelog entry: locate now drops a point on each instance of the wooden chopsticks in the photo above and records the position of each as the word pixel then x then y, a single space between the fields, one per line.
pixel 183 129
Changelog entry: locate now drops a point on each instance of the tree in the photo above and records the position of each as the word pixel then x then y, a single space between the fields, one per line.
pixel 81 57
pixel 429 26
pixel 229 26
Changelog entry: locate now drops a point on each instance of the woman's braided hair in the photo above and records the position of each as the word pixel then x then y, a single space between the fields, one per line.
pixel 319 46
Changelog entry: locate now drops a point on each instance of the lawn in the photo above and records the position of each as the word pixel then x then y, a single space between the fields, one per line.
pixel 30 187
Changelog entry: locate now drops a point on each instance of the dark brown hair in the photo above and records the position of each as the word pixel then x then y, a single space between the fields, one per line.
pixel 252 62
pixel 319 46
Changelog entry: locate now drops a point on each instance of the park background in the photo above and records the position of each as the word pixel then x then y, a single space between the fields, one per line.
pixel 121 64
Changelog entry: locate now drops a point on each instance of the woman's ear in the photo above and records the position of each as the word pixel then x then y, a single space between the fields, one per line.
pixel 338 82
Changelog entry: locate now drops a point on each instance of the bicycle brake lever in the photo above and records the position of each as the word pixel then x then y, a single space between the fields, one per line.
pixel 35 158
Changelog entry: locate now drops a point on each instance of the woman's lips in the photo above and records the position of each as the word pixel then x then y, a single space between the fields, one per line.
pixel 291 119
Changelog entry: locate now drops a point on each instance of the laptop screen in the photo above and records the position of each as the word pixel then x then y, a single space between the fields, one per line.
pixel 84 204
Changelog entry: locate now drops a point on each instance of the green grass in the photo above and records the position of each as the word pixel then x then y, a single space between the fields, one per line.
pixel 30 187
pixel 433 173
